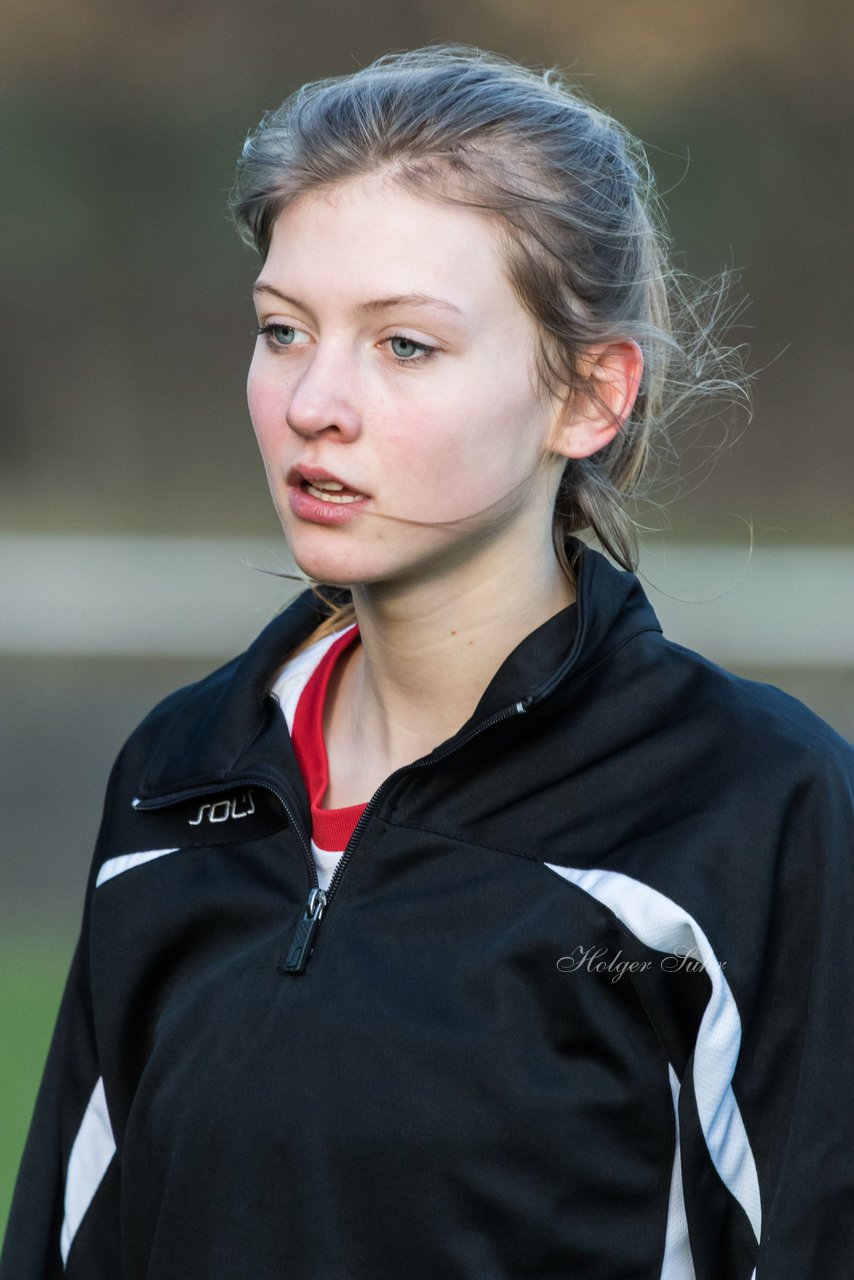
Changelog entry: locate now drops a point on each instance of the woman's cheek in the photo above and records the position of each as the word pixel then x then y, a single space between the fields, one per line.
pixel 265 408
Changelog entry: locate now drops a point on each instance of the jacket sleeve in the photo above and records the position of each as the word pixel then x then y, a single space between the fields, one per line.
pixel 782 1139
pixel 799 1054
pixel 64 1216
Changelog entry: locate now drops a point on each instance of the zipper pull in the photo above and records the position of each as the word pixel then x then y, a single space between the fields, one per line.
pixel 302 943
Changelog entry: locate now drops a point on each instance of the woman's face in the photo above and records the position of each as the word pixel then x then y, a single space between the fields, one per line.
pixel 396 359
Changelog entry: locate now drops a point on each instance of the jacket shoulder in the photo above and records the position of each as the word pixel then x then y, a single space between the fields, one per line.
pixel 752 716
pixel 195 694
pixel 203 727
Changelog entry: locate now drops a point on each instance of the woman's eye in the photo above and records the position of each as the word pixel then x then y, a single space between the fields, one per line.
pixel 278 335
pixel 407 350
pixel 283 333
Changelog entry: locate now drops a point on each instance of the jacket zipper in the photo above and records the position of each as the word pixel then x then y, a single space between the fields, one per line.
pixel 305 934
pixel 302 943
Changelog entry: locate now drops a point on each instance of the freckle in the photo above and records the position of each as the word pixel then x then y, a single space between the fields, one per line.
pixel 453 633
pixel 471 641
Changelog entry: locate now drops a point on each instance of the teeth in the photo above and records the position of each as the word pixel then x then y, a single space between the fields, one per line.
pixel 328 495
pixel 325 484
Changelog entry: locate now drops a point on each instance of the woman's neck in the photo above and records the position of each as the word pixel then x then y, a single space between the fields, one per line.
pixel 429 651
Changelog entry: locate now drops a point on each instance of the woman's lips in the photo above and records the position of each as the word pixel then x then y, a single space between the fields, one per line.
pixel 331 492
pixel 334 507
pixel 320 478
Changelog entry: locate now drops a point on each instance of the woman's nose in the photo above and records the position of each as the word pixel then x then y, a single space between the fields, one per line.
pixel 324 397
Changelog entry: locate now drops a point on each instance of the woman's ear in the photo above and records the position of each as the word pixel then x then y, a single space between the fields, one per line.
pixel 610 377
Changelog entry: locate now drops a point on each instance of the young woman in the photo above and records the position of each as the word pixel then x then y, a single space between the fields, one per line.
pixel 464 926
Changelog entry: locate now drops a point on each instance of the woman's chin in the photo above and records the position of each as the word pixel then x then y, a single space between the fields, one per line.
pixel 336 557
pixel 341 569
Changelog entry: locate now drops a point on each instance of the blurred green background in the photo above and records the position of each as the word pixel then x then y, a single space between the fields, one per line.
pixel 127 318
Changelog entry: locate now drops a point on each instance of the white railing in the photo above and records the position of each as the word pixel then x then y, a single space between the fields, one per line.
pixel 779 606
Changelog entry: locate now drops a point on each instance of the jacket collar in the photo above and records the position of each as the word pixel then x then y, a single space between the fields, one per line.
pixel 228 727
pixel 610 608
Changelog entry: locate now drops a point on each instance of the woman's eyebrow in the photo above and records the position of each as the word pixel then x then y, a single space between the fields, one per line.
pixel 408 300
pixel 374 304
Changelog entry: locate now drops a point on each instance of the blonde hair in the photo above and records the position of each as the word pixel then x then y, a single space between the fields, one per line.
pixel 573 199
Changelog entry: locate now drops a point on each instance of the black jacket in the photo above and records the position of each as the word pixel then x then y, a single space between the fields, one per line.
pixel 577 1006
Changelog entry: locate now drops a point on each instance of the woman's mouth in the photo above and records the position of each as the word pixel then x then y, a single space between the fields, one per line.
pixel 330 491
pixel 322 501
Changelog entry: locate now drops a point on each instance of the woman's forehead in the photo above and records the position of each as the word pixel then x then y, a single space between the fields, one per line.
pixel 379 241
